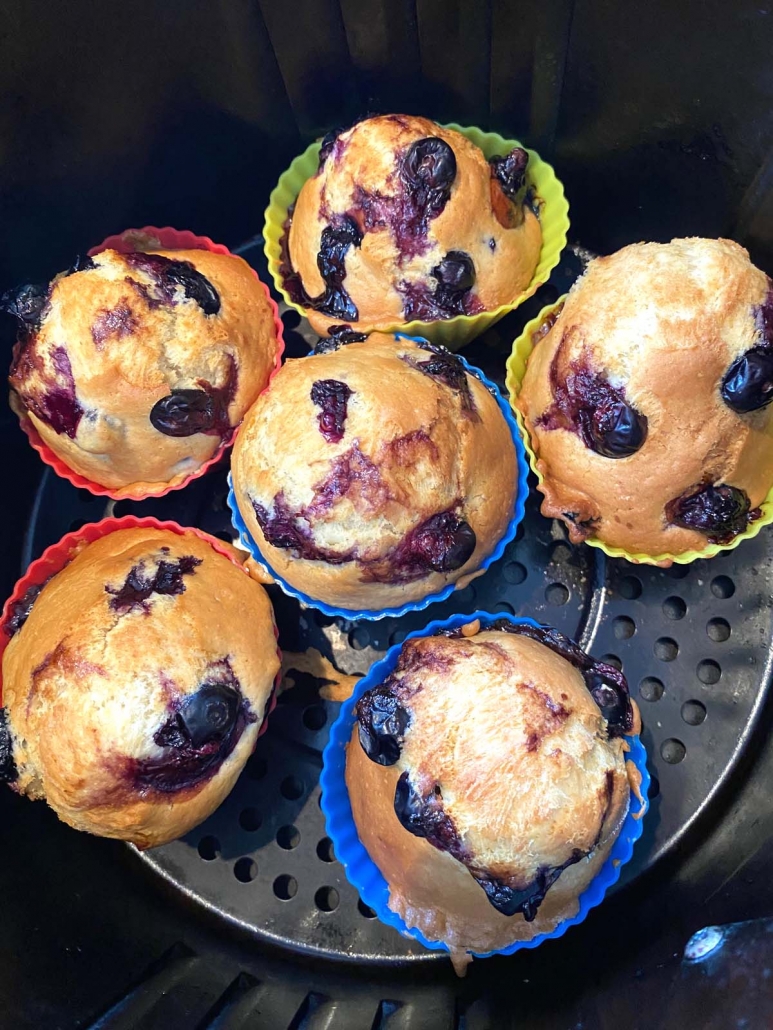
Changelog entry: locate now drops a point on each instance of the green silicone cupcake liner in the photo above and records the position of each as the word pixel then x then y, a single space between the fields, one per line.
pixel 516 369
pixel 452 333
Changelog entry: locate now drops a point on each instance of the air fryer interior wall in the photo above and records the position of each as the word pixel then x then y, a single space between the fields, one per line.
pixel 658 119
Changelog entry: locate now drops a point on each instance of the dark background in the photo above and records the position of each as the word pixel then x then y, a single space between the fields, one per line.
pixel 658 117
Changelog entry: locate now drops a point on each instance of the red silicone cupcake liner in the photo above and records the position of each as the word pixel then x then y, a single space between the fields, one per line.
pixel 166 239
pixel 58 555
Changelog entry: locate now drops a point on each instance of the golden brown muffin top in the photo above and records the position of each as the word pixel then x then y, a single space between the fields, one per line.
pixel 407 220
pixel 506 760
pixel 624 398
pixel 142 670
pixel 383 460
pixel 135 367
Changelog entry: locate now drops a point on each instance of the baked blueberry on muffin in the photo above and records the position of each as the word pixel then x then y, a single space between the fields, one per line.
pixel 408 220
pixel 375 473
pixel 134 685
pixel 488 781
pixel 134 368
pixel 647 399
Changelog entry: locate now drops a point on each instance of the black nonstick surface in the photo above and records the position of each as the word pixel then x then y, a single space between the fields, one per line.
pixel 693 641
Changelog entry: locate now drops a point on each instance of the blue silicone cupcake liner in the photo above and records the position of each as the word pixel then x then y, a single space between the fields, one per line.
pixel 250 545
pixel 364 874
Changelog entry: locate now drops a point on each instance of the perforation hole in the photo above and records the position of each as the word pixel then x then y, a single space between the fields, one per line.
pixel 291 319
pixel 709 672
pixel 654 790
pixel 514 572
pixel 560 552
pixel 678 571
pixel 613 660
pixel 359 638
pixel 629 587
pixel 326 899
pixel 623 627
pixel 209 848
pixel 397 637
pixel 250 819
pixel 314 717
pixel 245 870
pixel 674 608
pixel 651 689
pixel 291 788
pixel 718 630
pixel 693 713
pixel 76 524
pixel 365 910
pixel 722 587
pixel 666 649
pixel 325 852
pixel 556 594
pixel 504 608
pixel 673 751
pixel 288 837
pixel 257 768
pixel 285 887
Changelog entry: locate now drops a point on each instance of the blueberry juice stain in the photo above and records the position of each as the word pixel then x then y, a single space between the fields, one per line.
pixel 201 732
pixel 141 584
pixel 332 396
pixel 586 403
pixel 335 241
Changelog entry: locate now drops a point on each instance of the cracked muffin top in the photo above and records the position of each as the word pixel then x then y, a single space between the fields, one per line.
pixel 134 368
pixel 375 473
pixel 488 779
pixel 408 220
pixel 134 684
pixel 647 398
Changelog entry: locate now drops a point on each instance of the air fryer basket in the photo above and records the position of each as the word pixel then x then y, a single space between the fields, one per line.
pixel 184 113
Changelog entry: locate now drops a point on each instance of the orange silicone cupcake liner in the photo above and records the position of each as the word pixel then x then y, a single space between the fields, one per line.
pixel 59 555
pixel 164 238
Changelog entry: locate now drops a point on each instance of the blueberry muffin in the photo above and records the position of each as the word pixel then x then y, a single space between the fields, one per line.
pixel 488 781
pixel 134 368
pixel 376 473
pixel 134 685
pixel 647 399
pixel 407 220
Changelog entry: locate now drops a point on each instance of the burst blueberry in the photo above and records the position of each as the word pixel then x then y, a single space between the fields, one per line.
pixel 382 722
pixel 721 512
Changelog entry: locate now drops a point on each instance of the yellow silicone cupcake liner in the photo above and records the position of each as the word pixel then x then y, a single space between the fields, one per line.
pixel 516 369
pixel 452 333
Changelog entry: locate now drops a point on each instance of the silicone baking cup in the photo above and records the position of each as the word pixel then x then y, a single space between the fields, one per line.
pixel 364 874
pixel 452 333
pixel 148 238
pixel 58 555
pixel 516 369
pixel 522 491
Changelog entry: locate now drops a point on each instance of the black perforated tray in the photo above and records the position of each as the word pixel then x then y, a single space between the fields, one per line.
pixel 694 642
